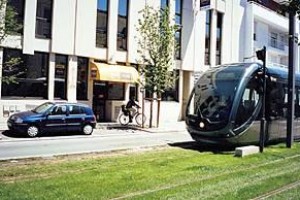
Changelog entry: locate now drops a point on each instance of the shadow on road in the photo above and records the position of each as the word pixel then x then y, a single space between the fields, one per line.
pixel 200 147
pixel 11 134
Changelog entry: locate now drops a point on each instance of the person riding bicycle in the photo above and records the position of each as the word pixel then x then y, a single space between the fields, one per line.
pixel 130 107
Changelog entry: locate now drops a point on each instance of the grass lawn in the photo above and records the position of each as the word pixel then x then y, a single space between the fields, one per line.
pixel 165 173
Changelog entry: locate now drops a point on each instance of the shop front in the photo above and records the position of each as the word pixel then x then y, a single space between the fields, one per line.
pixel 112 87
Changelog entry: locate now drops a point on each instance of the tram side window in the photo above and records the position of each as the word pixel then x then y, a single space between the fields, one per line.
pixel 248 103
pixel 277 99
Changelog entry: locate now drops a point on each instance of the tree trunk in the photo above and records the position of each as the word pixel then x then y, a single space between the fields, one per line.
pixel 158 109
pixel 151 113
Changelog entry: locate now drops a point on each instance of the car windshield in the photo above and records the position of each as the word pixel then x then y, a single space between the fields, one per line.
pixel 214 92
pixel 43 108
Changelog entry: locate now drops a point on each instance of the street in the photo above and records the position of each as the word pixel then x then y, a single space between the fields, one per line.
pixel 99 141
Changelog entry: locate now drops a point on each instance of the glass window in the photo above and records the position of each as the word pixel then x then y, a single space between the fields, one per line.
pixel 102 19
pixel 133 92
pixel 172 93
pixel 207 37
pixel 122 25
pixel 164 3
pixel 30 74
pixel 82 78
pixel 116 91
pixel 73 109
pixel 178 21
pixel 249 101
pixel 59 110
pixel 219 38
pixel 18 7
pixel 61 67
pixel 43 18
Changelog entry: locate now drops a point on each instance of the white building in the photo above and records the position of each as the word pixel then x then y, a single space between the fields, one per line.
pixel 79 50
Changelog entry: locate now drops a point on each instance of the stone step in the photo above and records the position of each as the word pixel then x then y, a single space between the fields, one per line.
pixel 246 150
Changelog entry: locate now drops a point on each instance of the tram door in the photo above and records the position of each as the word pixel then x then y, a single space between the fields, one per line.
pixel 99 100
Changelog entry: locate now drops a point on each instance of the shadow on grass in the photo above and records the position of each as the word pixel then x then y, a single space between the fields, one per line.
pixel 200 147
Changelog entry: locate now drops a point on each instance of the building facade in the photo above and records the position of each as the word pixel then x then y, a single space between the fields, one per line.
pixel 86 51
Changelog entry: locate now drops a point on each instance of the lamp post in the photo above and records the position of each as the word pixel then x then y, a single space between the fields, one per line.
pixel 291 81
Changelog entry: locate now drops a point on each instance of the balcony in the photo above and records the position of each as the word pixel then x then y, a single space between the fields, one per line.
pixel 270 4
pixel 277 44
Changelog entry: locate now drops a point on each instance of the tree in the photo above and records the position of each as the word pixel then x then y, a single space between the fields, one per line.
pixel 8 26
pixel 157 45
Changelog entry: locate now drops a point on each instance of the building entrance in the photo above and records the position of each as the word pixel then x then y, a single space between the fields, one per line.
pixel 99 100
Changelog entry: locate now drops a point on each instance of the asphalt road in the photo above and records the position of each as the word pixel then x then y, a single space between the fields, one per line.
pixel 12 147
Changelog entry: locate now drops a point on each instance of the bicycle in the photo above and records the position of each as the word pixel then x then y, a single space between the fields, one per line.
pixel 137 116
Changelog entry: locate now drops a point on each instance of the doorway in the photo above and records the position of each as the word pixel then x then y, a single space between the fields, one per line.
pixel 99 100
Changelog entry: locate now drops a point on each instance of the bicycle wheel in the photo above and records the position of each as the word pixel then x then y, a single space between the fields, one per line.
pixel 140 119
pixel 123 119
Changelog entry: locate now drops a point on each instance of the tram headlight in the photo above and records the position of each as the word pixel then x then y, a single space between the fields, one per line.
pixel 201 125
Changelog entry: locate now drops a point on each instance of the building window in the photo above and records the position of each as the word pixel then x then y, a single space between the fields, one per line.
pixel 17 7
pixel 164 4
pixel 207 37
pixel 61 71
pixel 82 78
pixel 115 91
pixel 122 25
pixel 172 93
pixel 102 19
pixel 219 38
pixel 178 21
pixel 30 74
pixel 43 18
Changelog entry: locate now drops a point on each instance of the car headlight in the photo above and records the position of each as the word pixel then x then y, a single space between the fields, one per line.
pixel 18 120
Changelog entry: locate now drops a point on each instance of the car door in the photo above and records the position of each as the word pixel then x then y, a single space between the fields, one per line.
pixel 75 118
pixel 56 120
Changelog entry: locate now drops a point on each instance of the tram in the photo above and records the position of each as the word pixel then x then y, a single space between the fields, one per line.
pixel 225 105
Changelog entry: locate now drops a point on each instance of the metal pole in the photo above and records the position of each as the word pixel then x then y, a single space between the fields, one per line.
pixel 291 82
pixel 263 117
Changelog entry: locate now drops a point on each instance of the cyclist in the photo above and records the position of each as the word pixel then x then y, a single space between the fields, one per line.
pixel 130 107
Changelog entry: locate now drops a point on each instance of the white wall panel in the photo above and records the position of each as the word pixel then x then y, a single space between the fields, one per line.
pixel 29 26
pixel 63 26
pixel 85 36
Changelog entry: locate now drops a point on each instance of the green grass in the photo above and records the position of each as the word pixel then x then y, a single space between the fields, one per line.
pixel 172 173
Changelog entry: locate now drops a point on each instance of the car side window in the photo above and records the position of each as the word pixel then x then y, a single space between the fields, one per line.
pixel 59 110
pixel 76 109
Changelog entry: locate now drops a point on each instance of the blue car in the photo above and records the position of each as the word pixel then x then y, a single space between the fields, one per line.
pixel 54 117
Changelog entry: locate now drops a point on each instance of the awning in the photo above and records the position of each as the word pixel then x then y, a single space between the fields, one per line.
pixel 115 73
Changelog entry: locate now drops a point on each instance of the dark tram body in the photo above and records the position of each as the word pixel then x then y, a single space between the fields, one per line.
pixel 226 102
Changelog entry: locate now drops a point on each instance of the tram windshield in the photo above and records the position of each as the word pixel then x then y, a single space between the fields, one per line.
pixel 213 94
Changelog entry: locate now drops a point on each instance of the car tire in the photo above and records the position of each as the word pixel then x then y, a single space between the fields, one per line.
pixel 32 131
pixel 87 129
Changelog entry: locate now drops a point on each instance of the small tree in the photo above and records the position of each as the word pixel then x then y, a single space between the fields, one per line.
pixel 8 26
pixel 157 46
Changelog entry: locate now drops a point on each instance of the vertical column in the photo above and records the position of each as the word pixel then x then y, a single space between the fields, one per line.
pixel 72 79
pixel 29 29
pixel 112 31
pixel 51 81
pixel 213 37
pixel 249 31
pixel 1 65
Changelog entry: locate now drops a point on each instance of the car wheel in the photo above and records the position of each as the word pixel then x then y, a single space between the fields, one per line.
pixel 32 131
pixel 87 129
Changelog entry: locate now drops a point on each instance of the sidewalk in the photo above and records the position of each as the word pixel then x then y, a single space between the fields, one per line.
pixel 167 127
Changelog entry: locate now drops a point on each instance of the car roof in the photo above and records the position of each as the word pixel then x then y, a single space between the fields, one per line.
pixel 68 103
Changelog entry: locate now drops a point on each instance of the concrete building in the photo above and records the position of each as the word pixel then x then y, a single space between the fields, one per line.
pixel 79 50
